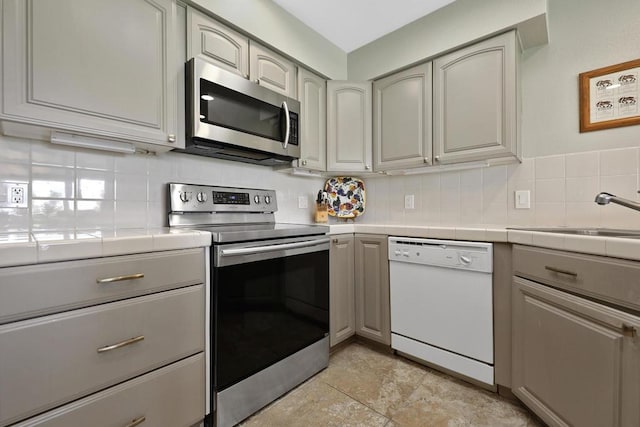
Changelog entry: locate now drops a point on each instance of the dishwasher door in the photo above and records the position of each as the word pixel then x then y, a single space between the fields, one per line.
pixel 442 303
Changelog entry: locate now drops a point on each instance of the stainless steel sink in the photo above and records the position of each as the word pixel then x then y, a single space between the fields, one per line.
pixel 601 232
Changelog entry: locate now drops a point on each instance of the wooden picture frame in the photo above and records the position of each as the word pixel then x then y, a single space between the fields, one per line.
pixel 610 96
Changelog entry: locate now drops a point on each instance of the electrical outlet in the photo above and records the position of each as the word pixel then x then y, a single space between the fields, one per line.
pixel 14 194
pixel 409 201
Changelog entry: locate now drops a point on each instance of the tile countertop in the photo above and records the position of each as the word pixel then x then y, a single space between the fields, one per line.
pixel 617 247
pixel 64 245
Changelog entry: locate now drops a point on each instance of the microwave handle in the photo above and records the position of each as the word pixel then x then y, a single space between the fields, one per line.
pixel 288 124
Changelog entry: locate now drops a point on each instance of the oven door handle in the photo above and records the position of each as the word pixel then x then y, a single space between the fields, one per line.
pixel 287 124
pixel 271 248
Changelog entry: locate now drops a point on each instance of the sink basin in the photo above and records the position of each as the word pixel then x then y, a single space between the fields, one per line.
pixel 600 232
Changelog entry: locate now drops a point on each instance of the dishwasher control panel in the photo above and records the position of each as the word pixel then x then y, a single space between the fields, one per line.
pixel 475 256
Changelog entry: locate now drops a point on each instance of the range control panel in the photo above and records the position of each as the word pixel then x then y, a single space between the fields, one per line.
pixel 206 198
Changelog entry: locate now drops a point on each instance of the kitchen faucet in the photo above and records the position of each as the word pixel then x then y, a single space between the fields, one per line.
pixel 605 198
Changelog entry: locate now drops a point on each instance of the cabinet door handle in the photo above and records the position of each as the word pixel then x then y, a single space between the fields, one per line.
pixel 172 138
pixel 436 158
pixel 629 331
pixel 137 421
pixel 120 344
pixel 121 278
pixel 335 240
pixel 560 271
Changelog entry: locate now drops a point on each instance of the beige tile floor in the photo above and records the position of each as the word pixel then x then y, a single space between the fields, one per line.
pixel 363 387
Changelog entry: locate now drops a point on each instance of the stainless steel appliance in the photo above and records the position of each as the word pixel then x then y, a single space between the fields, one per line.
pixel 269 296
pixel 236 119
pixel 442 304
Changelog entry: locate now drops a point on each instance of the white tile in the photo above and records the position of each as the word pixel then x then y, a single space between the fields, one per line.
pixel 131 214
pixel 156 214
pixel 67 246
pixel 178 239
pixel 95 185
pixel 582 164
pixel 619 162
pixel 495 213
pixel 547 240
pixel 91 214
pixel 623 248
pixel 586 244
pixel 157 190
pixel 162 164
pixel 132 163
pixel 45 153
pixel 52 182
pixel 583 214
pixel 130 187
pixel 120 242
pixel 450 198
pixel 524 171
pixel 474 234
pixel 442 232
pixel 550 190
pixel 521 237
pixel 94 159
pixel 497 235
pixel 14 220
pixel 494 180
pixel 15 172
pixel 48 214
pixel 550 214
pixel 18 254
pixel 622 185
pixel 550 167
pixel 582 189
pixel 15 150
pixel 431 199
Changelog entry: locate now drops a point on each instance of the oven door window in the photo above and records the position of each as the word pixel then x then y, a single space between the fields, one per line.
pixel 267 310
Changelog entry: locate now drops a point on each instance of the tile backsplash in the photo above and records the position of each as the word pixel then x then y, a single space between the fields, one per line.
pixel 85 189
pixel 562 187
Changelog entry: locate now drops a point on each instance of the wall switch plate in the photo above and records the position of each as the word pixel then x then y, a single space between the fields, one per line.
pixel 523 199
pixel 303 202
pixel 14 194
pixel 409 201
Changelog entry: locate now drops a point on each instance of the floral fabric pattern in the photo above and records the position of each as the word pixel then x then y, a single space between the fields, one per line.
pixel 346 196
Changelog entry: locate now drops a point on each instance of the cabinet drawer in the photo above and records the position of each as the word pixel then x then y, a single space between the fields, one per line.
pixel 48 361
pixel 608 279
pixel 48 288
pixel 169 397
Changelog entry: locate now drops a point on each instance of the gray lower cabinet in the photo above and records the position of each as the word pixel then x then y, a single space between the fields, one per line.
pixel 342 314
pixel 209 40
pixel 312 94
pixel 73 66
pixel 373 319
pixel 113 338
pixel 576 360
pixel 402 119
pixel 349 141
pixel 475 102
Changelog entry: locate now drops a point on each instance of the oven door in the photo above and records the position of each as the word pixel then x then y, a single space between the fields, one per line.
pixel 270 300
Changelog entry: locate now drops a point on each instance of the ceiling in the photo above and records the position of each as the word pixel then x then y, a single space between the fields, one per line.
pixel 350 24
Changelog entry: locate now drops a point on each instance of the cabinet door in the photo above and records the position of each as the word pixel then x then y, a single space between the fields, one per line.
pixel 103 68
pixel 372 288
pixel 271 70
pixel 575 362
pixel 342 319
pixel 220 45
pixel 312 91
pixel 402 119
pixel 348 126
pixel 475 106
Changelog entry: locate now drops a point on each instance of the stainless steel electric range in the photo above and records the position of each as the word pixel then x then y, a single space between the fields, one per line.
pixel 268 296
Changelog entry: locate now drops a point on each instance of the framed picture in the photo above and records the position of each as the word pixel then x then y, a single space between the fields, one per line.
pixel 610 97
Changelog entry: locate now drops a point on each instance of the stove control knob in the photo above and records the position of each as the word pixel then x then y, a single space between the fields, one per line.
pixel 202 197
pixel 256 199
pixel 185 196
pixel 267 199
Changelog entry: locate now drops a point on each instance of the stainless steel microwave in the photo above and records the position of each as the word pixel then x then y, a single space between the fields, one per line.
pixel 233 118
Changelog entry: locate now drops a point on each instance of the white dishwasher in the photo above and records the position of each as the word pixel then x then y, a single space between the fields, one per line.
pixel 442 304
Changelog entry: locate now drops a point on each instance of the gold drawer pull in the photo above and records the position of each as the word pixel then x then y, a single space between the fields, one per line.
pixel 121 278
pixel 137 421
pixel 120 344
pixel 629 331
pixel 560 271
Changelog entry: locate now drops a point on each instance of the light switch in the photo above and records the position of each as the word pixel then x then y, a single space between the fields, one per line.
pixel 409 201
pixel 523 199
pixel 303 202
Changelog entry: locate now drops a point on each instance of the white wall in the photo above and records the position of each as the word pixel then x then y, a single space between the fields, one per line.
pixel 267 22
pixel 89 189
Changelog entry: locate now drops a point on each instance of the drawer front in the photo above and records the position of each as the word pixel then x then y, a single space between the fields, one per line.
pixel 608 279
pixel 169 397
pixel 32 291
pixel 51 360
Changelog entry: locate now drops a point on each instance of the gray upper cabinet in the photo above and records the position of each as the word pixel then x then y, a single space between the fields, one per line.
pixel 349 140
pixel 475 102
pixel 271 70
pixel 209 40
pixel 93 67
pixel 402 119
pixel 312 91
